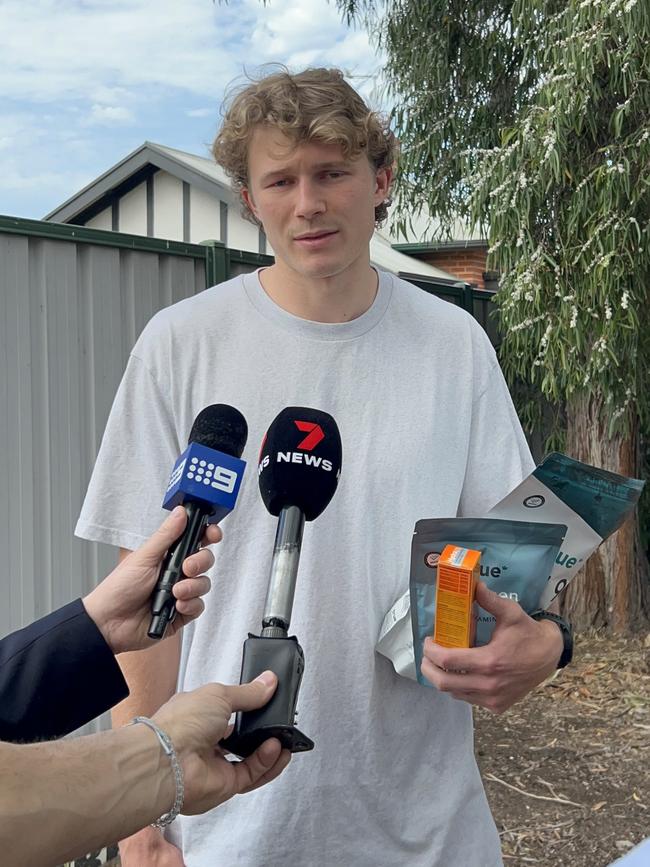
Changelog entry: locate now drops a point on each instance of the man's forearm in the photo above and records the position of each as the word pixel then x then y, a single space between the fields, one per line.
pixel 151 676
pixel 59 800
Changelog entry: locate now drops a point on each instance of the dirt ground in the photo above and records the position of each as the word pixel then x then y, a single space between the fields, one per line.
pixel 567 770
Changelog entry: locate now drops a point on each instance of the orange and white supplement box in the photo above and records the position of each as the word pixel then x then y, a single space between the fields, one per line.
pixel 458 572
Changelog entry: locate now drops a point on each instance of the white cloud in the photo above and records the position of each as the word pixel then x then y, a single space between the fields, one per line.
pixel 302 33
pixel 110 95
pixel 110 114
pixel 65 49
pixel 27 179
pixel 200 112
pixel 110 51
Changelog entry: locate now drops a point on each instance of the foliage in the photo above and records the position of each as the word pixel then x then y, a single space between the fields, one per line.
pixel 531 120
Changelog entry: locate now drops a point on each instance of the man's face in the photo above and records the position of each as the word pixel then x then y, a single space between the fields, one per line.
pixel 316 207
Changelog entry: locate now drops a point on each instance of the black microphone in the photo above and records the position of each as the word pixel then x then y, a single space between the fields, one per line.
pixel 299 469
pixel 205 480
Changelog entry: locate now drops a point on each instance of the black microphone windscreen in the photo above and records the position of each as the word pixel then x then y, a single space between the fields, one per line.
pixel 300 461
pixel 220 427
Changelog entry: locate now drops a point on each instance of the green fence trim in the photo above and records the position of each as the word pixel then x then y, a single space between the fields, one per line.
pixel 216 262
pixel 245 257
pixel 465 293
pixel 219 259
pixel 103 237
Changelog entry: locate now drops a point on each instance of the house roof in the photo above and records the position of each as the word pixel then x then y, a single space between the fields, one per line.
pixel 207 175
pixel 132 170
pixel 423 235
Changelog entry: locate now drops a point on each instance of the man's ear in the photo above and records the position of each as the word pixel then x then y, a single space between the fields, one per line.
pixel 248 201
pixel 383 183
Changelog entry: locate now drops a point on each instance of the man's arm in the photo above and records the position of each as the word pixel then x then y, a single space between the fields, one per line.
pixel 55 675
pixel 151 676
pixel 60 800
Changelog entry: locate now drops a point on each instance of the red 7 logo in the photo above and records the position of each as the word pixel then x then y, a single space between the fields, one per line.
pixel 314 434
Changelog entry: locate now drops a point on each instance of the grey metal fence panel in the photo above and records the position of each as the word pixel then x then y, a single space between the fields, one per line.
pixel 70 311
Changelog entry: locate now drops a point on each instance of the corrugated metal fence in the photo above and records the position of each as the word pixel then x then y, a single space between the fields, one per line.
pixel 72 304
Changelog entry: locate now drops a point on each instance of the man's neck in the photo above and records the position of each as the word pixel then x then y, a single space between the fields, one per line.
pixel 339 298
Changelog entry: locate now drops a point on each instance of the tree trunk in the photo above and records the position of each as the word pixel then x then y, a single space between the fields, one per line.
pixel 613 590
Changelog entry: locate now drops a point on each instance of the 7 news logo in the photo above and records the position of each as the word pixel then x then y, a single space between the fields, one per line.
pixel 315 435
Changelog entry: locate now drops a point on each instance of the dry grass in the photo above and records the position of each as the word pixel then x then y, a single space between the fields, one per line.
pixel 567 770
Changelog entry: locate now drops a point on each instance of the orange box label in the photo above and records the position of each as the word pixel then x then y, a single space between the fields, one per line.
pixel 458 572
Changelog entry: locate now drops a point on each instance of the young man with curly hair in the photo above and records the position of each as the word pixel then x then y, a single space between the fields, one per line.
pixel 428 429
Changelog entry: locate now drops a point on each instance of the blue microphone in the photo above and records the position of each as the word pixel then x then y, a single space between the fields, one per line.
pixel 205 480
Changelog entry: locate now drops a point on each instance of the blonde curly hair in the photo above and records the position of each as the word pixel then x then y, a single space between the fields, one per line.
pixel 313 105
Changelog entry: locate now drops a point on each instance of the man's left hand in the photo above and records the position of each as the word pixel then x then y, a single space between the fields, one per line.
pixel 521 653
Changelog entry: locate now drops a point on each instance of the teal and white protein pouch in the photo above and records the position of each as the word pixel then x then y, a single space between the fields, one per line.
pixel 593 503
pixel 516 560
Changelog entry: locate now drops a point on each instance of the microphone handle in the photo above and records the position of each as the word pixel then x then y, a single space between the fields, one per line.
pixel 284 572
pixel 163 605
pixel 274 649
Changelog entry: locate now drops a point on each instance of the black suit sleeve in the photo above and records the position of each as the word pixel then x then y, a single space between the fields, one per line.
pixel 55 675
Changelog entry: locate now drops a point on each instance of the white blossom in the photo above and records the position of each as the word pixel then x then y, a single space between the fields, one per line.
pixel 625 300
pixel 545 337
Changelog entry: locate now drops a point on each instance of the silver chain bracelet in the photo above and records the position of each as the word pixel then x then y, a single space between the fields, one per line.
pixel 168 749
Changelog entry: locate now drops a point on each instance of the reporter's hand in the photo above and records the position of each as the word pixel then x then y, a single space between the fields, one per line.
pixel 521 653
pixel 196 721
pixel 120 605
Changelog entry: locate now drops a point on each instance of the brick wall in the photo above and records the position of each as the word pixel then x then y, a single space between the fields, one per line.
pixel 467 264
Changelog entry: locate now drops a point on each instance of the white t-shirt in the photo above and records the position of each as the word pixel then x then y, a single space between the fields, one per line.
pixel 428 430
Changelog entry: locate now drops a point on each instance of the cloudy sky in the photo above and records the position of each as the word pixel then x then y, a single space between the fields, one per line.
pixel 84 82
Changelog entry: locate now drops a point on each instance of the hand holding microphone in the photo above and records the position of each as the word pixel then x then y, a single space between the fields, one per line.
pixel 299 469
pixel 205 480
pixel 120 605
